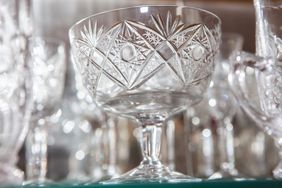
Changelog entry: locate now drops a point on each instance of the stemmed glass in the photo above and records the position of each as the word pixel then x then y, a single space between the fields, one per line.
pixel 200 140
pixel 214 114
pixel 147 63
pixel 48 67
pixel 266 110
pixel 104 134
pixel 223 106
pixel 15 28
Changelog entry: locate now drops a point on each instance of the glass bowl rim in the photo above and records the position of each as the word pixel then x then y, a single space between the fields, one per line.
pixel 140 6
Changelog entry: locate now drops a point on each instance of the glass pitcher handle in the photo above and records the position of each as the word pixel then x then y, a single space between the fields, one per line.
pixel 237 80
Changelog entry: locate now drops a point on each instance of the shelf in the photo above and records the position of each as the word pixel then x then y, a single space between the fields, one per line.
pixel 258 183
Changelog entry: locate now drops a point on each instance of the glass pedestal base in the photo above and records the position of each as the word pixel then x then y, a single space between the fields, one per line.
pixel 150 173
pixel 277 172
pixel 229 174
pixel 41 182
pixel 10 175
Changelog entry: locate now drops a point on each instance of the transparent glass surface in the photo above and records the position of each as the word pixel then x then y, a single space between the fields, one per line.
pixel 269 81
pixel 15 27
pixel 266 111
pixel 200 133
pixel 147 63
pixel 209 123
pixel 48 65
pixel 105 133
pixel 253 147
pixel 223 107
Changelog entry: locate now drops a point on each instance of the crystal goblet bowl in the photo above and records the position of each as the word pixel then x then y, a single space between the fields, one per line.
pixel 147 63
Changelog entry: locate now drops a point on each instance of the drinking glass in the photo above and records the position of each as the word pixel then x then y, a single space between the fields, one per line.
pixel 214 114
pixel 253 147
pixel 147 63
pixel 200 135
pixel 266 110
pixel 105 135
pixel 15 28
pixel 223 107
pixel 48 73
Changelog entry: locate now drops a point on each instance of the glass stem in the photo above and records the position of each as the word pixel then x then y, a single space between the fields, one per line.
pixel 170 131
pixel 277 172
pixel 36 151
pixel 151 144
pixel 226 146
pixel 112 147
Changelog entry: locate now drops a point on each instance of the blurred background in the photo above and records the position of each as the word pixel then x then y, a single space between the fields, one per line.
pixel 74 131
pixel 54 19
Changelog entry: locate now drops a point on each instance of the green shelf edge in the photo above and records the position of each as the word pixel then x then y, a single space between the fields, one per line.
pixel 261 183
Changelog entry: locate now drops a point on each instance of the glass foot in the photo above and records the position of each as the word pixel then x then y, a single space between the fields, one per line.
pixel 150 173
pixel 39 182
pixel 231 173
pixel 10 175
pixel 277 172
pixel 78 178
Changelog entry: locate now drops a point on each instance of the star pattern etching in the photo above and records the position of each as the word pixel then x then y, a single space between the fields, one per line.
pixel 131 53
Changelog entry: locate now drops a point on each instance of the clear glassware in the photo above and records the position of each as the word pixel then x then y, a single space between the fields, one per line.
pixel 168 144
pixel 104 135
pixel 200 135
pixel 48 65
pixel 67 158
pixel 266 109
pixel 253 147
pixel 213 115
pixel 15 28
pixel 147 63
pixel 223 107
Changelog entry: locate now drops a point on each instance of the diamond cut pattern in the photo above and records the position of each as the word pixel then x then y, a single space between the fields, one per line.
pixel 130 53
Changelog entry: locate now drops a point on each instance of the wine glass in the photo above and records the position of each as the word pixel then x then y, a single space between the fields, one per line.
pixel 223 107
pixel 147 63
pixel 215 114
pixel 200 129
pixel 15 28
pixel 48 67
pixel 104 134
pixel 265 108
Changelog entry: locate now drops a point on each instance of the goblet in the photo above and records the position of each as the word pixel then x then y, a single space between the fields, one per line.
pixel 223 107
pixel 104 141
pixel 48 67
pixel 14 83
pixel 13 125
pixel 147 63
pixel 266 110
pixel 200 140
pixel 215 114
